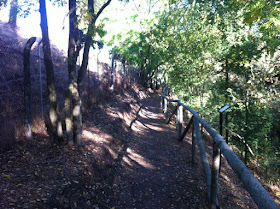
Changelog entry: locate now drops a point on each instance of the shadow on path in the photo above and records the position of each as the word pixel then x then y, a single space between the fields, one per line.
pixel 154 170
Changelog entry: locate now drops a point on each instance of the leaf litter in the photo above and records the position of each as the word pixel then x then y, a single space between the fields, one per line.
pixel 128 160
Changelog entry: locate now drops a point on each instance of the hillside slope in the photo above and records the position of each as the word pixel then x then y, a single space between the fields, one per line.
pixel 12 89
pixel 11 82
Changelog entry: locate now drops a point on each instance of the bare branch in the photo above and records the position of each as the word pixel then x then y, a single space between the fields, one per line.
pixel 101 9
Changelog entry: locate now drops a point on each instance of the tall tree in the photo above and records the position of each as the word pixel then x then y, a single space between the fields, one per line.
pixel 56 129
pixel 73 97
pixel 88 42
pixel 76 85
pixel 13 13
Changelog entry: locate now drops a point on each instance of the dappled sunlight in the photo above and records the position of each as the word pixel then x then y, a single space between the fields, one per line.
pixel 139 159
pixel 113 114
pixel 139 126
pixel 113 153
pixel 150 114
pixel 127 161
pixel 95 137
pixel 231 185
pixel 225 177
pixel 136 127
pixel 154 127
pixel 127 118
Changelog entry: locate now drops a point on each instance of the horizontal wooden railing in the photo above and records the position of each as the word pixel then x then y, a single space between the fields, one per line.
pixel 252 185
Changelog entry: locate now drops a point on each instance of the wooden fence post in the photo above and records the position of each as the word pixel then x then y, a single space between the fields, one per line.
pixel 202 152
pixel 177 116
pixel 27 88
pixel 165 109
pixel 258 193
pixel 193 145
pixel 186 129
pixel 215 176
pixel 179 119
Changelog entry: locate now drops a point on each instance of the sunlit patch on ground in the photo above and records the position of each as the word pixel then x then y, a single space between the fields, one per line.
pixel 141 167
pixel 95 137
pixel 139 159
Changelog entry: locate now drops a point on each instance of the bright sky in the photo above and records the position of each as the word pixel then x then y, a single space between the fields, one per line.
pixel 119 13
pixel 30 26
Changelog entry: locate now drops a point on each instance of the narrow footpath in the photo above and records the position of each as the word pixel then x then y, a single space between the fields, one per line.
pixel 130 159
pixel 156 169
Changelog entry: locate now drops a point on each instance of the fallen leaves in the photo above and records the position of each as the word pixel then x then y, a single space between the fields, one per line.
pixel 40 175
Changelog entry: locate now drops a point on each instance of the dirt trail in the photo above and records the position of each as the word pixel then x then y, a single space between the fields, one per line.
pixel 155 169
pixel 130 159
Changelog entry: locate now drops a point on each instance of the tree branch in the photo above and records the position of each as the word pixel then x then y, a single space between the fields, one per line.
pixel 101 9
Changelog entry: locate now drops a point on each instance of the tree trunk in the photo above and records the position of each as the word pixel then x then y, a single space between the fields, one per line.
pixel 27 87
pixel 77 115
pixel 68 117
pixel 88 42
pixel 112 73
pixel 143 75
pixel 246 129
pixel 73 51
pixel 13 13
pixel 90 32
pixel 125 77
pixel 53 108
pixel 76 86
pixel 227 80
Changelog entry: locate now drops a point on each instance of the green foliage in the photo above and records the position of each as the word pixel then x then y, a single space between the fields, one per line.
pixel 3 3
pixel 213 54
pixel 264 14
pixel 27 7
pixel 59 2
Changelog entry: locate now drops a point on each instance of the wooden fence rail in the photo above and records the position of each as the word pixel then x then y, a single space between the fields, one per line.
pixel 252 185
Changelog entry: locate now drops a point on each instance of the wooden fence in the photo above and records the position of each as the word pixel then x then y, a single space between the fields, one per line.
pixel 252 185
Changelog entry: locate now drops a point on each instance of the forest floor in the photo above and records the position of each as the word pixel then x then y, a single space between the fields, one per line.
pixel 130 159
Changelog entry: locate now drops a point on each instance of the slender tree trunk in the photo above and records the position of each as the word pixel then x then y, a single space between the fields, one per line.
pixel 88 42
pixel 112 73
pixel 143 67
pixel 27 87
pixel 53 108
pixel 73 51
pixel 77 115
pixel 124 80
pixel 13 13
pixel 246 129
pixel 68 117
pixel 90 32
pixel 76 86
pixel 150 3
pixel 227 80
pixel 227 99
pixel 71 70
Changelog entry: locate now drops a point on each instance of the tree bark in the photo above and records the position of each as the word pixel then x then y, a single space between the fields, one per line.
pixel 68 117
pixel 76 85
pixel 88 42
pixel 83 68
pixel 27 88
pixel 112 72
pixel 143 75
pixel 75 134
pixel 13 13
pixel 53 108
